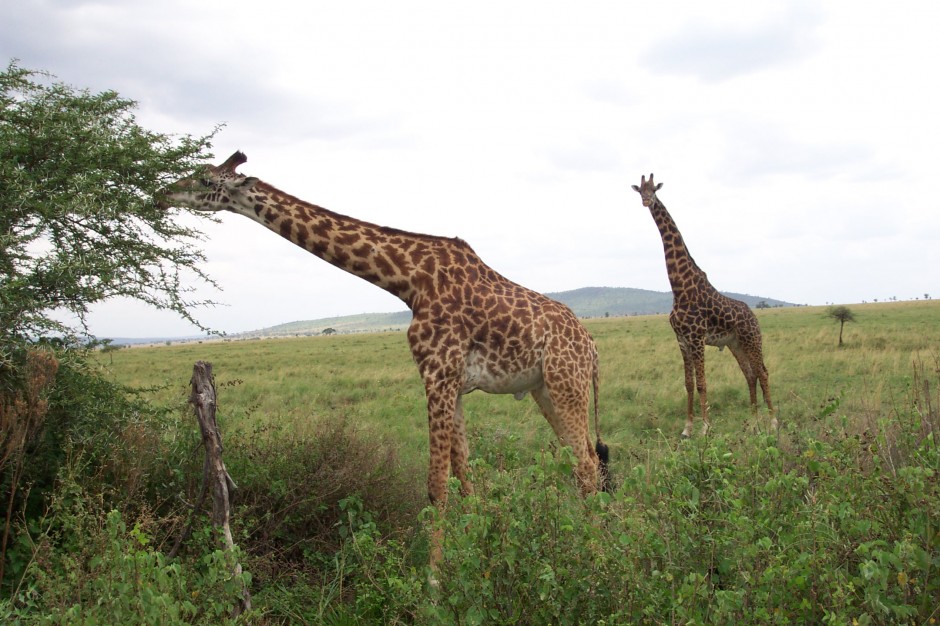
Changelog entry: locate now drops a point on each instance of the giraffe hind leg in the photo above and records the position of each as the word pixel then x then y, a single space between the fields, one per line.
pixel 460 451
pixel 752 365
pixel 765 391
pixel 702 387
pixel 746 363
pixel 570 426
pixel 689 394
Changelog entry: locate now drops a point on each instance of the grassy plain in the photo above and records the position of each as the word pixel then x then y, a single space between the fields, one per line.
pixel 371 381
pixel 832 519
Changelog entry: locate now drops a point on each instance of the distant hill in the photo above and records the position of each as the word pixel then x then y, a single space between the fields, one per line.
pixel 585 302
pixel 616 301
pixel 363 322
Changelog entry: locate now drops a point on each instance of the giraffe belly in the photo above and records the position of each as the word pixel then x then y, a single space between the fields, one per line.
pixel 493 379
pixel 720 339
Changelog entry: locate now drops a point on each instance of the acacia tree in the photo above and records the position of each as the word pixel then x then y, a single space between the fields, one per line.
pixel 843 314
pixel 78 224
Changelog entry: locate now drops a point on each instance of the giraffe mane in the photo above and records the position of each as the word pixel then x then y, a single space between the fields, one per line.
pixel 385 230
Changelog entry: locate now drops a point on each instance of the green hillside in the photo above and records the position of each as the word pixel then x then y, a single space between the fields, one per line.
pixel 585 302
pixel 617 301
pixel 364 322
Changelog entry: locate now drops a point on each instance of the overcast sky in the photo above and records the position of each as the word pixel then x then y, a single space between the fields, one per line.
pixel 797 141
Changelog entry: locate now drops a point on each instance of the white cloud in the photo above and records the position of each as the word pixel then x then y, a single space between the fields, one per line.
pixel 797 142
pixel 721 45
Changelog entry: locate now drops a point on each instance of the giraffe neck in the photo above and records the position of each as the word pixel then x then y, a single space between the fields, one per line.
pixel 680 266
pixel 402 263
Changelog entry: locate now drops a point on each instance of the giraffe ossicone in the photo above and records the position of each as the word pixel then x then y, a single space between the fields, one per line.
pixel 471 327
pixel 702 316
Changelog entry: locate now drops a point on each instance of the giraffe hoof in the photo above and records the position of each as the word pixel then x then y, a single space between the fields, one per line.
pixel 685 436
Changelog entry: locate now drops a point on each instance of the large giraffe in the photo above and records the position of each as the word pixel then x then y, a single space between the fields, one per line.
pixel 701 315
pixel 471 328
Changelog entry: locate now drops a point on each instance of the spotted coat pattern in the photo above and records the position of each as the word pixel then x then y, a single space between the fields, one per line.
pixel 702 316
pixel 471 327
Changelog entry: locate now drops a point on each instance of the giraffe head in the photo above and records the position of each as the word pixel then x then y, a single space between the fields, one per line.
pixel 211 188
pixel 647 190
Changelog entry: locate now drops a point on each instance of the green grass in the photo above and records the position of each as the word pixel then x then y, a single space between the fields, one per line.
pixel 833 519
pixel 371 380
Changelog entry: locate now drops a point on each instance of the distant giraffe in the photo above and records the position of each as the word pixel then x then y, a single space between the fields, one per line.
pixel 701 315
pixel 471 328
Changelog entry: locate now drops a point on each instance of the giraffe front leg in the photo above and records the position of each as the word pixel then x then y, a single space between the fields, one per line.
pixel 698 358
pixel 442 407
pixel 437 494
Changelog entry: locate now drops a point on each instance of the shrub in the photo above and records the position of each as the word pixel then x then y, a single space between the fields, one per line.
pixel 87 567
pixel 524 549
pixel 129 454
pixel 720 531
pixel 288 505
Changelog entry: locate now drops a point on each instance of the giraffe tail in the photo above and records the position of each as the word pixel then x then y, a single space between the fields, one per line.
pixel 603 468
pixel 603 452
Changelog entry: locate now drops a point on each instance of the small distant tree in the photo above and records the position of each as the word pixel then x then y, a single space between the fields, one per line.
pixel 762 305
pixel 107 346
pixel 328 331
pixel 842 314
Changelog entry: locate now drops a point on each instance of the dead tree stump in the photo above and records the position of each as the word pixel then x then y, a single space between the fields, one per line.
pixel 214 474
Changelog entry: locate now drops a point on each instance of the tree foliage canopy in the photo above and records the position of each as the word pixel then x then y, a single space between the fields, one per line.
pixel 840 313
pixel 78 224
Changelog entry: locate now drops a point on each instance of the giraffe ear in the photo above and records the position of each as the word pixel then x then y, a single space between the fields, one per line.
pixel 635 188
pixel 659 186
pixel 248 183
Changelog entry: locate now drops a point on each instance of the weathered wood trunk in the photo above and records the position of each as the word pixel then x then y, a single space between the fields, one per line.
pixel 214 474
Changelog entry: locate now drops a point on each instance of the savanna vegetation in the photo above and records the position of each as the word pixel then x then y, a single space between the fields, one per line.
pixel 833 519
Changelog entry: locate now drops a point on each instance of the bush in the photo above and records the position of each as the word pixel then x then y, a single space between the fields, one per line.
pixel 288 508
pixel 721 531
pixel 524 548
pixel 87 567
pixel 131 455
